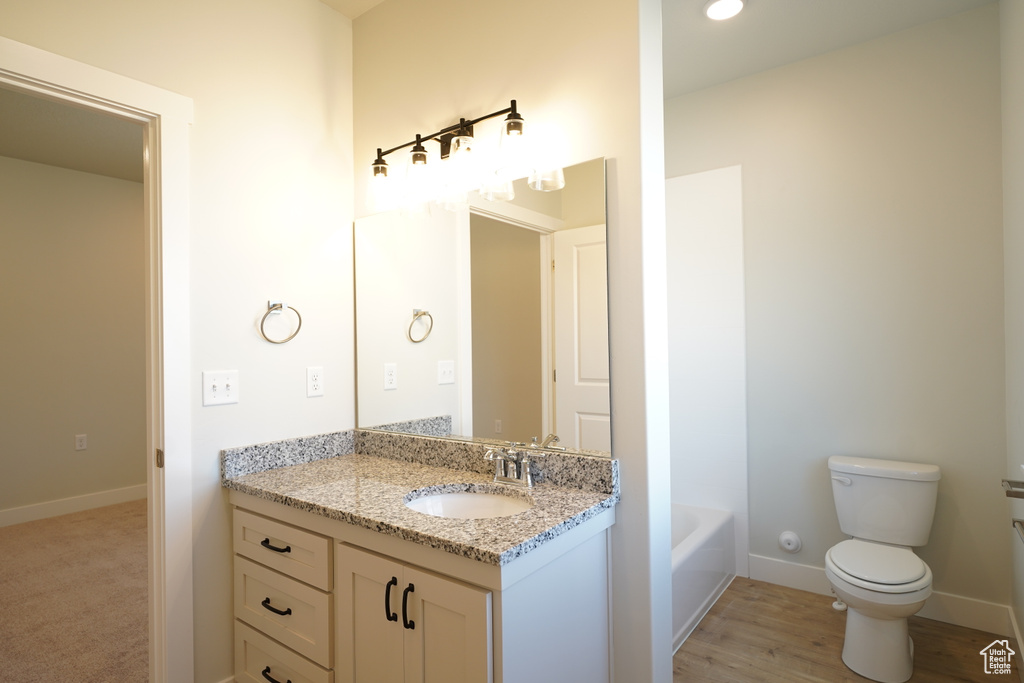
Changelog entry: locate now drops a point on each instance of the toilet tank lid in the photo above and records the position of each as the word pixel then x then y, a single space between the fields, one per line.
pixel 890 469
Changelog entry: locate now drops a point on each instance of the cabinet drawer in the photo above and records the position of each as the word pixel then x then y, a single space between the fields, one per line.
pixel 295 552
pixel 306 625
pixel 255 653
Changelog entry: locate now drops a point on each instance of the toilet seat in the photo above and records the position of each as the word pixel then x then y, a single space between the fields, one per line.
pixel 878 567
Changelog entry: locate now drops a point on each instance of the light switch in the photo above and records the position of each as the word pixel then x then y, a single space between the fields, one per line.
pixel 220 387
pixel 446 372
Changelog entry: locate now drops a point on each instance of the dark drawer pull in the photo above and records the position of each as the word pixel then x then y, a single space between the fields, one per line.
pixel 266 544
pixel 266 675
pixel 267 605
pixel 406 621
pixel 392 616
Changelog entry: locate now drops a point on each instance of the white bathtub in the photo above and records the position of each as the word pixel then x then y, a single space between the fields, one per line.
pixel 703 564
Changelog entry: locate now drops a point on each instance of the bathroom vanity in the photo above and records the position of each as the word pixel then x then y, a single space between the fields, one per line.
pixel 337 579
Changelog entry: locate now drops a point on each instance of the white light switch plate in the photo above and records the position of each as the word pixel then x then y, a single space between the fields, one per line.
pixel 220 387
pixel 446 372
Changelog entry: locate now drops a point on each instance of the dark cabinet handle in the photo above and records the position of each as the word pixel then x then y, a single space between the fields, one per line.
pixel 266 544
pixel 266 675
pixel 267 605
pixel 387 599
pixel 406 621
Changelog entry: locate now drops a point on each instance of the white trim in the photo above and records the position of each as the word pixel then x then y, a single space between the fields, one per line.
pixel 947 607
pixel 166 118
pixel 65 506
pixel 515 215
pixel 1017 635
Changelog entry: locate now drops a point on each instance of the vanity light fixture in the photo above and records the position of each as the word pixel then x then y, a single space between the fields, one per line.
pixel 456 149
pixel 723 9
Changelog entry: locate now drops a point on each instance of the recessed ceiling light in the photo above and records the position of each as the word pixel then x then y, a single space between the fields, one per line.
pixel 722 9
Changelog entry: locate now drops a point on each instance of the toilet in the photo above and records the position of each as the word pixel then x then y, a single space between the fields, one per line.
pixel 887 507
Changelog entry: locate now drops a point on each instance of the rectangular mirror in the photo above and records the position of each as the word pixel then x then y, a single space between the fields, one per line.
pixel 489 322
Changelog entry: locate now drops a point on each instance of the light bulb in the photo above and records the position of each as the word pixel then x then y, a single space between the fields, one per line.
pixel 723 9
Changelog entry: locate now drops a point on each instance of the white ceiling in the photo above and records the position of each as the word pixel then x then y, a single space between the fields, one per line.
pixel 698 52
pixel 47 132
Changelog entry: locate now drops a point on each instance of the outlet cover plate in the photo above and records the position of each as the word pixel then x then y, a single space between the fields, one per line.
pixel 314 381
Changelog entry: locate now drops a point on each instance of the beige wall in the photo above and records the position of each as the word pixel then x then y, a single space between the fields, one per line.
pixel 507 342
pixel 597 78
pixel 1012 41
pixel 873 237
pixel 270 212
pixel 71 270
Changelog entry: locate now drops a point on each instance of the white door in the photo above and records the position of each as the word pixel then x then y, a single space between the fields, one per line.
pixel 450 636
pixel 580 321
pixel 370 635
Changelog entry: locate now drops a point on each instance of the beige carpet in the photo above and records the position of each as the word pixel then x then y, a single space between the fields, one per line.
pixel 73 597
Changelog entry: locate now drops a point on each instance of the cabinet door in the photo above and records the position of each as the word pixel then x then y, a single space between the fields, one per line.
pixel 450 639
pixel 370 646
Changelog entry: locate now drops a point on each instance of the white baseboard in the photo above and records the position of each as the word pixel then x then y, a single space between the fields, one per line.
pixel 946 607
pixel 64 506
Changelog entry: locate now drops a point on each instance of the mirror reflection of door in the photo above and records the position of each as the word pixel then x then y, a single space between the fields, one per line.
pixel 583 415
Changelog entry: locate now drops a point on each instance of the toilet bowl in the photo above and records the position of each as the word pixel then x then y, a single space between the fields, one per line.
pixel 887 506
pixel 882 585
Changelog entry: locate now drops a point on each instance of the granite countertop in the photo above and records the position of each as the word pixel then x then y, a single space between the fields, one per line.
pixel 370 492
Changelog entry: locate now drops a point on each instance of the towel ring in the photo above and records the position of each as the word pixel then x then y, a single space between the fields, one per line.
pixel 416 315
pixel 273 306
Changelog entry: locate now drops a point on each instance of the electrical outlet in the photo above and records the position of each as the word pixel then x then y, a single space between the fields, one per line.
pixel 446 372
pixel 390 376
pixel 314 382
pixel 81 442
pixel 220 387
pixel 497 426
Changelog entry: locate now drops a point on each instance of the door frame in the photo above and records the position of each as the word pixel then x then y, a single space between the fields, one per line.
pixel 165 118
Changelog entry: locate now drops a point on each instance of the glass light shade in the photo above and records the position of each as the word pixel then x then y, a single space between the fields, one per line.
pixel 379 192
pixel 418 154
pixel 512 157
pixel 461 145
pixel 547 180
pixel 419 186
pixel 498 190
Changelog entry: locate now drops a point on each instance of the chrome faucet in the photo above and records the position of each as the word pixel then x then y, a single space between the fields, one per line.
pixel 512 466
pixel 548 440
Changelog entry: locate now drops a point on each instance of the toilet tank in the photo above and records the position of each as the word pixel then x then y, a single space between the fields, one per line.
pixel 884 500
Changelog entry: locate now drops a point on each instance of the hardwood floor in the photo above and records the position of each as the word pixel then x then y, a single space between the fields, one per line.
pixel 762 633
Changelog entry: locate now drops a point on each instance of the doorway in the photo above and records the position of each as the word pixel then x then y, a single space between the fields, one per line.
pixel 165 118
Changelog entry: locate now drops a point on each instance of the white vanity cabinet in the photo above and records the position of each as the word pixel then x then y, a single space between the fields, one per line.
pixel 284 608
pixel 407 613
pixel 400 624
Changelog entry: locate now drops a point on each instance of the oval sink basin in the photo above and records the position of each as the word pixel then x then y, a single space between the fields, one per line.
pixel 469 505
